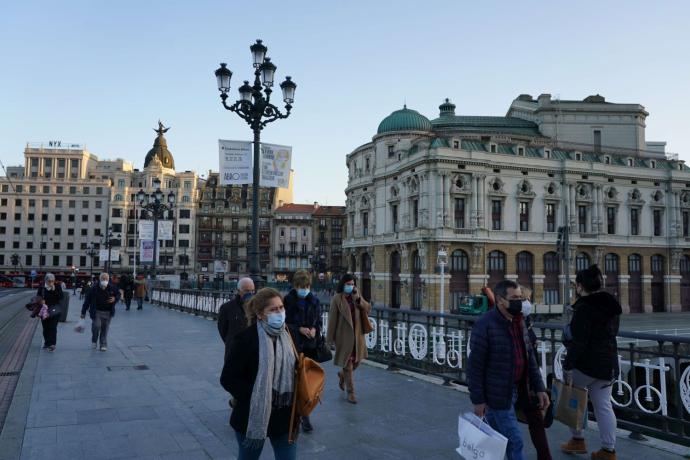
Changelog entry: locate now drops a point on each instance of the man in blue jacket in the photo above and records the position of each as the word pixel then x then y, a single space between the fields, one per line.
pixel 501 361
pixel 100 301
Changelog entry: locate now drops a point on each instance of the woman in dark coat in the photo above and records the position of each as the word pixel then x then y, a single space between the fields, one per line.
pixel 51 293
pixel 592 359
pixel 259 373
pixel 303 317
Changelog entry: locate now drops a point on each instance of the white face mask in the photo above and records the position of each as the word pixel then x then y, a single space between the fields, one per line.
pixel 526 307
pixel 104 284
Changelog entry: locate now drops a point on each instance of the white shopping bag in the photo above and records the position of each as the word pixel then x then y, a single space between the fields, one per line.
pixel 478 440
pixel 81 325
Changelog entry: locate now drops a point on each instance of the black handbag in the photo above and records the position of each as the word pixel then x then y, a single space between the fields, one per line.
pixel 323 351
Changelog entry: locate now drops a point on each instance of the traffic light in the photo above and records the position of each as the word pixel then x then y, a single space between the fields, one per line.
pixel 561 240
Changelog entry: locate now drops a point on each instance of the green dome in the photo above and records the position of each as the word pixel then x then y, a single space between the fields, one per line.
pixel 404 120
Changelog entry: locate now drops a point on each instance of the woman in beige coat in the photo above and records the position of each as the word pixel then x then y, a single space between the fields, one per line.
pixel 348 310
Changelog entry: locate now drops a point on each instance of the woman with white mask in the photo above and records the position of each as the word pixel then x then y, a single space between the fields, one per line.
pixel 259 373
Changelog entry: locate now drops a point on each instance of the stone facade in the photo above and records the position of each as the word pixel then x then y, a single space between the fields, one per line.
pixel 495 190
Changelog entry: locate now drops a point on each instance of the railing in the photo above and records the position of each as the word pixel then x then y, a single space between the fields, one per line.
pixel 651 394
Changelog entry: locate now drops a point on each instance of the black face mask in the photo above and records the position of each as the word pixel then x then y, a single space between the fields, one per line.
pixel 514 306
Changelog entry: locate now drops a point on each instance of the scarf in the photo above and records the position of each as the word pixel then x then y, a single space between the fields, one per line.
pixel 275 380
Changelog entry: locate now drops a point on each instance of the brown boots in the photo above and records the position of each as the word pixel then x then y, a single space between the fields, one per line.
pixel 574 446
pixel 603 455
pixel 345 381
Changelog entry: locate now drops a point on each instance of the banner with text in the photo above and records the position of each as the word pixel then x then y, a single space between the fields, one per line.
pixel 165 230
pixel 275 165
pixel 146 230
pixel 235 162
pixel 220 266
pixel 146 250
pixel 114 255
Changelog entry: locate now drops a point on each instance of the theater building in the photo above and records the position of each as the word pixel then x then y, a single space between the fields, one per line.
pixel 493 191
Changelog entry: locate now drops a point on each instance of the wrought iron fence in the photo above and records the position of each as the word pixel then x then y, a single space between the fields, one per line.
pixel 651 394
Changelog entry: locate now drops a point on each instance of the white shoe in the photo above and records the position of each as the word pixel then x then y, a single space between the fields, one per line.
pixel 94 346
pixel 104 348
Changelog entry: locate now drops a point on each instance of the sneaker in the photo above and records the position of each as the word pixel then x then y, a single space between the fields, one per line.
pixel 104 348
pixel 574 446
pixel 94 346
pixel 51 348
pixel 306 425
pixel 604 454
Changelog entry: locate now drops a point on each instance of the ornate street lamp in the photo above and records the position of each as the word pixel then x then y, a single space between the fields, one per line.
pixel 442 261
pixel 91 253
pixel 109 245
pixel 254 106
pixel 154 203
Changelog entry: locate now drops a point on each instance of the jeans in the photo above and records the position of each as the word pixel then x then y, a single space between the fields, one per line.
pixel 140 303
pixel 599 392
pixel 282 449
pixel 100 326
pixel 505 422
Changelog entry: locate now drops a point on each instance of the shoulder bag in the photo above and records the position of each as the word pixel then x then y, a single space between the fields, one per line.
pixel 309 383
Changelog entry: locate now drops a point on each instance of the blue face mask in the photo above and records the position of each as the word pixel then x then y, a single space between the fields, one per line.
pixel 302 293
pixel 247 296
pixel 276 320
pixel 348 288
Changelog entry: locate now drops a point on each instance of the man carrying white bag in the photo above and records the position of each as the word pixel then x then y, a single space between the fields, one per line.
pixel 478 440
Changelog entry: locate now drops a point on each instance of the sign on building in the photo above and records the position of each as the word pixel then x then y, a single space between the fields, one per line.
pixel 220 266
pixel 146 230
pixel 146 250
pixel 275 165
pixel 235 162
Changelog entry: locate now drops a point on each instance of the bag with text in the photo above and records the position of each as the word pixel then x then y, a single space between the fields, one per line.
pixel 478 440
pixel 570 404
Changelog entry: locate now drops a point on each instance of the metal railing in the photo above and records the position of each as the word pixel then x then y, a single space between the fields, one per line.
pixel 651 394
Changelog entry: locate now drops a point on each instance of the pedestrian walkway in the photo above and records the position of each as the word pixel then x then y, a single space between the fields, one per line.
pixel 155 395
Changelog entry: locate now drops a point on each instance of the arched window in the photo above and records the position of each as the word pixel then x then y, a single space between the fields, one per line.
pixel 525 268
pixel 552 270
pixel 496 267
pixel 635 283
pixel 459 286
pixel 582 261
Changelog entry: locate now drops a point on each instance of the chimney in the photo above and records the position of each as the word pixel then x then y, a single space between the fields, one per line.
pixel 544 99
pixel 316 205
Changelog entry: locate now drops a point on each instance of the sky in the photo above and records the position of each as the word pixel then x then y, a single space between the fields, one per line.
pixel 101 73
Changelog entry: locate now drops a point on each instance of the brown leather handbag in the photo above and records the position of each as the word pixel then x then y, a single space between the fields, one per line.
pixel 366 324
pixel 310 379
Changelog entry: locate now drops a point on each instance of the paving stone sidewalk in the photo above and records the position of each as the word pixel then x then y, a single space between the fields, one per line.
pixel 155 395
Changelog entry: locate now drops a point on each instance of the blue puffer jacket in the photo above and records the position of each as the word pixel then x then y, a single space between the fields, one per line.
pixel 491 362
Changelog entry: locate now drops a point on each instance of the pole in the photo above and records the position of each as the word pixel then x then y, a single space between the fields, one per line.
pixel 566 262
pixel 254 266
pixel 136 242
pixel 155 243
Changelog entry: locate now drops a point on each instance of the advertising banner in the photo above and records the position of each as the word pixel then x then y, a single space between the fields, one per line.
pixel 235 162
pixel 114 254
pixel 220 266
pixel 275 165
pixel 165 230
pixel 146 230
pixel 146 250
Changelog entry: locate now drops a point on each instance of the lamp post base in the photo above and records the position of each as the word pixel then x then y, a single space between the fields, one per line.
pixel 259 281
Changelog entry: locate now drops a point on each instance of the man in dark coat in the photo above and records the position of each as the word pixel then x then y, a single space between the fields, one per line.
pixel 592 359
pixel 100 301
pixel 502 361
pixel 231 315
pixel 126 286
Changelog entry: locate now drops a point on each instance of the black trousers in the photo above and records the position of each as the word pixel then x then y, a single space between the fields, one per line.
pixel 50 330
pixel 128 300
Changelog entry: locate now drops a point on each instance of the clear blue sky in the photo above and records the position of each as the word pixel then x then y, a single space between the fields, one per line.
pixel 102 73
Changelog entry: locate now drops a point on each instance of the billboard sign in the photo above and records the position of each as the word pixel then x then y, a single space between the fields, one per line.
pixel 235 162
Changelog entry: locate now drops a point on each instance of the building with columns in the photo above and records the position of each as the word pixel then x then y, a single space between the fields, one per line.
pixel 493 191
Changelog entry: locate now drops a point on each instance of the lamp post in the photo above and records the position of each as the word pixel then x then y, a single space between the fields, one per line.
pixel 254 106
pixel 40 254
pixel 91 253
pixel 109 244
pixel 442 261
pixel 155 205
pixel 184 262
